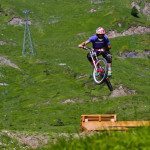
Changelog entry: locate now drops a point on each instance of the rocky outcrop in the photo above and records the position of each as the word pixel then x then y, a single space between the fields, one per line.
pixel 134 54
pixel 18 21
pixel 7 62
pixel 130 31
pixel 122 91
pixel 146 9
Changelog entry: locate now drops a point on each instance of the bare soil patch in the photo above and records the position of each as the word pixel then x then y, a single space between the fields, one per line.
pixel 7 42
pixel 72 101
pixel 130 31
pixel 122 91
pixel 134 54
pixel 18 21
pixel 68 101
pixel 7 62
pixel 33 141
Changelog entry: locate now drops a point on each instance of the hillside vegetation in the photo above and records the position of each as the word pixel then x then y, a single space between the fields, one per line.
pixel 47 93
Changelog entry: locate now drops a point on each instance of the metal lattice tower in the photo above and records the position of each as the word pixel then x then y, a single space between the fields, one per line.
pixel 28 47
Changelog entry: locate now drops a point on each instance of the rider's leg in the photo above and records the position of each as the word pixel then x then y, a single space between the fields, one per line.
pixel 108 58
pixel 91 62
pixel 90 59
pixel 109 69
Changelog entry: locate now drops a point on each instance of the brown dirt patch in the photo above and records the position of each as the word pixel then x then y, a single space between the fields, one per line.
pixel 18 21
pixel 7 62
pixel 33 141
pixel 122 91
pixel 130 31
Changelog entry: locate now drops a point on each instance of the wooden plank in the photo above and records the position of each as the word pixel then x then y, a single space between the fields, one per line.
pixel 93 125
pixel 112 129
pixel 105 117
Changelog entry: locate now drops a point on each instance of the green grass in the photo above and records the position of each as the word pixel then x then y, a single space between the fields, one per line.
pixel 32 101
pixel 135 139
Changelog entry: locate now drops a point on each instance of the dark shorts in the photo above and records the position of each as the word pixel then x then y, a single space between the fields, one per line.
pixel 105 54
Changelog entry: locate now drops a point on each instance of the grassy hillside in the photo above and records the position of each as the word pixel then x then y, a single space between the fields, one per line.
pixel 107 140
pixel 33 100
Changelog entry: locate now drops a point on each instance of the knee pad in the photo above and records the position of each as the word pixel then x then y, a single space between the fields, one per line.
pixel 109 58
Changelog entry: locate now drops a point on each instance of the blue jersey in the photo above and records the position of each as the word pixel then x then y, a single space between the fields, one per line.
pixel 99 43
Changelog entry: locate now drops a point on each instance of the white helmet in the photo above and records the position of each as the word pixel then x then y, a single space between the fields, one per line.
pixel 100 30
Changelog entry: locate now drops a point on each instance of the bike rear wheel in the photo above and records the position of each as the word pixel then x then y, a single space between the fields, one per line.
pixel 99 76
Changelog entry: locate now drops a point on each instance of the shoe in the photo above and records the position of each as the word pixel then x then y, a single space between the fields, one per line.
pixel 97 74
pixel 109 73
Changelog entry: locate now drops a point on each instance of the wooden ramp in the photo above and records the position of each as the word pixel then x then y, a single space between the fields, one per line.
pixel 108 122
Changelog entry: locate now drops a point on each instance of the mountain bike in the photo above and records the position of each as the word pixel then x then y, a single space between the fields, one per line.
pixel 100 69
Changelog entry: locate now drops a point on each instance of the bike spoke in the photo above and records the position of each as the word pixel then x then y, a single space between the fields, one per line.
pixel 100 73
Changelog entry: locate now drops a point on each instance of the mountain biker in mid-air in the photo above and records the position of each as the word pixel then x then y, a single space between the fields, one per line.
pixel 101 46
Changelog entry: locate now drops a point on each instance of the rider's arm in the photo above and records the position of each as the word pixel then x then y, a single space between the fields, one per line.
pixel 83 44
pixel 108 47
pixel 107 43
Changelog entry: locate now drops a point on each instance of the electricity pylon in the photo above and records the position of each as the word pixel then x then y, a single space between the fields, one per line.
pixel 28 47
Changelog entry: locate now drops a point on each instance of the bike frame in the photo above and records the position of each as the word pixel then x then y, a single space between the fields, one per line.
pixel 95 61
pixel 94 58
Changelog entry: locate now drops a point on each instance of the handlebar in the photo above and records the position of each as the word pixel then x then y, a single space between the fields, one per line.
pixel 88 48
pixel 91 49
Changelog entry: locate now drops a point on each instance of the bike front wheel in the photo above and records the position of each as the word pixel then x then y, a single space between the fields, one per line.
pixel 107 81
pixel 100 71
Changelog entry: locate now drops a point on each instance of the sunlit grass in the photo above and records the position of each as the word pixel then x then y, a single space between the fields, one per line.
pixel 33 99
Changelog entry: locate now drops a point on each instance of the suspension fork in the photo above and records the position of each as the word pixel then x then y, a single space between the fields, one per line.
pixel 94 61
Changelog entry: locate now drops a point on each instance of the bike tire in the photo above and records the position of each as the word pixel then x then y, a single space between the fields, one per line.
pixel 107 81
pixel 101 77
